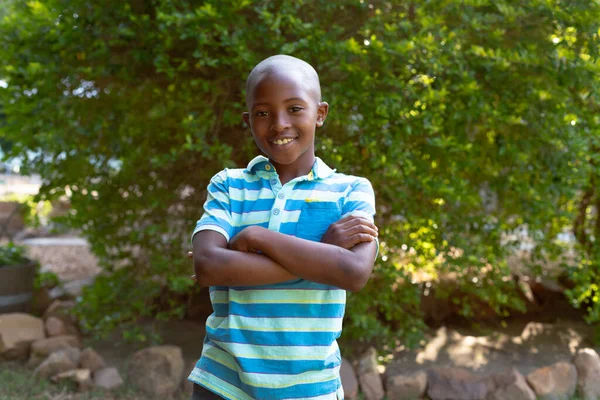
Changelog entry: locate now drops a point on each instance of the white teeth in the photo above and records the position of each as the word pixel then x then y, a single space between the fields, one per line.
pixel 282 141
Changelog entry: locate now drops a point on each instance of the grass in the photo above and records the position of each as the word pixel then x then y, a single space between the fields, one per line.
pixel 18 383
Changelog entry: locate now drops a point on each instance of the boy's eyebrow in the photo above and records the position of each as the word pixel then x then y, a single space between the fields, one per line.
pixel 285 101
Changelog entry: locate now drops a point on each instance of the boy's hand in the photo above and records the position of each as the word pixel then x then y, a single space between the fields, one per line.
pixel 190 256
pixel 242 241
pixel 350 231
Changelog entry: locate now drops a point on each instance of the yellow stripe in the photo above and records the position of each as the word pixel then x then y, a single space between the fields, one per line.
pixel 280 296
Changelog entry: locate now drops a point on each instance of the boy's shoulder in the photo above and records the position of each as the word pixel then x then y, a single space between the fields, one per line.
pixel 259 168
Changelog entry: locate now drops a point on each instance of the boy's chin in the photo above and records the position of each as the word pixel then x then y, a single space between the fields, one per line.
pixel 278 159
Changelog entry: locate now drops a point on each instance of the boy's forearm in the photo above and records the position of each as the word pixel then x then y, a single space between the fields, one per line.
pixel 224 267
pixel 315 261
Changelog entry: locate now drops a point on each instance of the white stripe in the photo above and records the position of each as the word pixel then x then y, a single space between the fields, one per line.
pixel 251 218
pixel 218 196
pixel 360 196
pixel 251 195
pixel 260 324
pixel 217 213
pixel 359 213
pixel 214 228
pixel 277 352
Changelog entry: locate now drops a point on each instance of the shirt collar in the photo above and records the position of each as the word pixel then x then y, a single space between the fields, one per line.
pixel 320 170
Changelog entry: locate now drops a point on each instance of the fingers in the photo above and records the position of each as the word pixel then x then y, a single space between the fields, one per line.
pixel 355 239
pixel 359 238
pixel 352 220
pixel 362 229
pixel 190 254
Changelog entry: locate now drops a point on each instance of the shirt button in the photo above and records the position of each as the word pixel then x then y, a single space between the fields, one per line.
pixel 281 195
pixel 276 211
pixel 273 181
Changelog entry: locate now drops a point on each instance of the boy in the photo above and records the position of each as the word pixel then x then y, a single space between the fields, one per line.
pixel 279 244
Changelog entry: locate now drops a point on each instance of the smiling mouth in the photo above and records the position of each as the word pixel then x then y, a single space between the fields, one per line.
pixel 281 142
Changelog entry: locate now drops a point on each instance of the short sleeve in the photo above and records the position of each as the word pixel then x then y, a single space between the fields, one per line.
pixel 217 208
pixel 360 200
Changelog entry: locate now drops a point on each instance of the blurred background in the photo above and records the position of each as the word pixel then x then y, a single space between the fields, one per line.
pixel 477 122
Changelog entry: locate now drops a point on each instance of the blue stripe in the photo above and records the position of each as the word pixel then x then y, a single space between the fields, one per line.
pixel 288 228
pixel 358 205
pixel 240 207
pixel 364 187
pixel 239 183
pixel 240 228
pixel 272 338
pixel 286 310
pixel 294 205
pixel 232 377
pixel 216 205
pixel 287 366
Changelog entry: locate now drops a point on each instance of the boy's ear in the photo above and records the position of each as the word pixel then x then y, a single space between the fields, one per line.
pixel 246 118
pixel 322 110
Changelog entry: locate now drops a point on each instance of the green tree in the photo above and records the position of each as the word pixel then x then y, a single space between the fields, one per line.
pixel 473 120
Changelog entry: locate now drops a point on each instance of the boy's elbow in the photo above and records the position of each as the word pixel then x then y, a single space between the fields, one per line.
pixel 357 284
pixel 359 275
pixel 203 267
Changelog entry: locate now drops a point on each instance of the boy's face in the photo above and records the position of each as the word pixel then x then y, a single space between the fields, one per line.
pixel 284 112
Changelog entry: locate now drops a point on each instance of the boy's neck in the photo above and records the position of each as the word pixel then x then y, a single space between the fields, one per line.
pixel 302 166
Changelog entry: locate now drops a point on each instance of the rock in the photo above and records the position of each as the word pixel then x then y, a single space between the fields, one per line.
pixel 74 289
pixel 510 385
pixel 557 381
pixel 41 300
pixel 41 349
pixel 587 363
pixel 157 370
pixel 63 310
pixel 406 387
pixel 17 332
pixel 57 362
pixel 187 386
pixel 55 327
pixel 368 376
pixel 83 378
pixel 371 385
pixel 455 384
pixel 349 381
pixel 368 361
pixel 91 360
pixel 107 378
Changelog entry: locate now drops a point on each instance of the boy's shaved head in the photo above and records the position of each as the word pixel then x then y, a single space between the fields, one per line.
pixel 283 64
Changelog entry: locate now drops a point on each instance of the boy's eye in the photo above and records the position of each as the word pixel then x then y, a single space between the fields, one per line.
pixel 262 113
pixel 295 109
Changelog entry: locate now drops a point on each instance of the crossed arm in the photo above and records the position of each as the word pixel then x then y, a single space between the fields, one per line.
pixel 258 256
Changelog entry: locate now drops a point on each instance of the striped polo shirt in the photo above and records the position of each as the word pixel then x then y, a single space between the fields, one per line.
pixel 277 341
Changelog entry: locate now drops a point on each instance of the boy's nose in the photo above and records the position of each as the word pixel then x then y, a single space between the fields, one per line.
pixel 280 123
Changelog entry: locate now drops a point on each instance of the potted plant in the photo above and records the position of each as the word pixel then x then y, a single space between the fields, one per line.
pixel 17 274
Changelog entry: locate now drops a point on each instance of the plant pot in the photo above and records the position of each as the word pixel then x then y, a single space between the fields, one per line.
pixel 16 287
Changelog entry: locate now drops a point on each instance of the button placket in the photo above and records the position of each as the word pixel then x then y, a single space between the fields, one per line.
pixel 277 208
